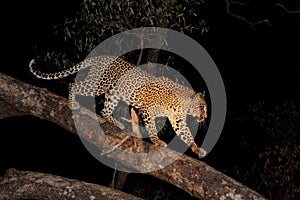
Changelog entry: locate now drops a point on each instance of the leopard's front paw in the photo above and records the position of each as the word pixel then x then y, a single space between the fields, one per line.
pixel 198 150
pixel 201 153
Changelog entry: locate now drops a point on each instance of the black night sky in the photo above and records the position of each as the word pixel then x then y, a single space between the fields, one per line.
pixel 258 64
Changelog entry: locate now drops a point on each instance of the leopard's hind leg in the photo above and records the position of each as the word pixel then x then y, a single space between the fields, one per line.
pixel 111 101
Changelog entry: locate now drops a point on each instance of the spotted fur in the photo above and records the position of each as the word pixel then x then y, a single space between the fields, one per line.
pixel 154 96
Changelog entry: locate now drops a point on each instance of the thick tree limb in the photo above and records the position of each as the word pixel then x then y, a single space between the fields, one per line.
pixel 33 185
pixel 193 176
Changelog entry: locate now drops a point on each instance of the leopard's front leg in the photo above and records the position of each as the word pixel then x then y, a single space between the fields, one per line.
pixel 151 128
pixel 183 132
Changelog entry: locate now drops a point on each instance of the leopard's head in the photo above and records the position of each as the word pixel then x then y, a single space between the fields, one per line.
pixel 199 107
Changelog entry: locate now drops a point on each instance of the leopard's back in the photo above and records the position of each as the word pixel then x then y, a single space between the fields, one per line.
pixel 103 74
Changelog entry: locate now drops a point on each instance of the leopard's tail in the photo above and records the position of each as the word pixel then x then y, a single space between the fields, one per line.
pixel 56 75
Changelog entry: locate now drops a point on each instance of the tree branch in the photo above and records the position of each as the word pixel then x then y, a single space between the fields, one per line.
pixel 287 10
pixel 252 24
pixel 33 185
pixel 193 176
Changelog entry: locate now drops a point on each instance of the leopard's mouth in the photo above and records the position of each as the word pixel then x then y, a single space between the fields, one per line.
pixel 203 114
pixel 201 119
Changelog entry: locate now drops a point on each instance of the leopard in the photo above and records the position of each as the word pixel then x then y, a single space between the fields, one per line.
pixel 158 97
pixel 120 80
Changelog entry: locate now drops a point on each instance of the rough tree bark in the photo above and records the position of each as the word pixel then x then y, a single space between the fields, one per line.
pixel 33 185
pixel 193 176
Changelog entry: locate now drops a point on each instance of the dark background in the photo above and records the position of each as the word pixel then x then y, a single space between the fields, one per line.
pixel 259 63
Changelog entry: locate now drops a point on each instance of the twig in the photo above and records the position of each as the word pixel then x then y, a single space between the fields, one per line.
pixel 239 3
pixel 287 10
pixel 116 145
pixel 114 177
pixel 252 24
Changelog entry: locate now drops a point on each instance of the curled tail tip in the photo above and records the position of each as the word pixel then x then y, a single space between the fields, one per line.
pixel 34 71
pixel 31 63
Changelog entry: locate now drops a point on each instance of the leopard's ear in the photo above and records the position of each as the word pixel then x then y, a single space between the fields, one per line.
pixel 199 94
